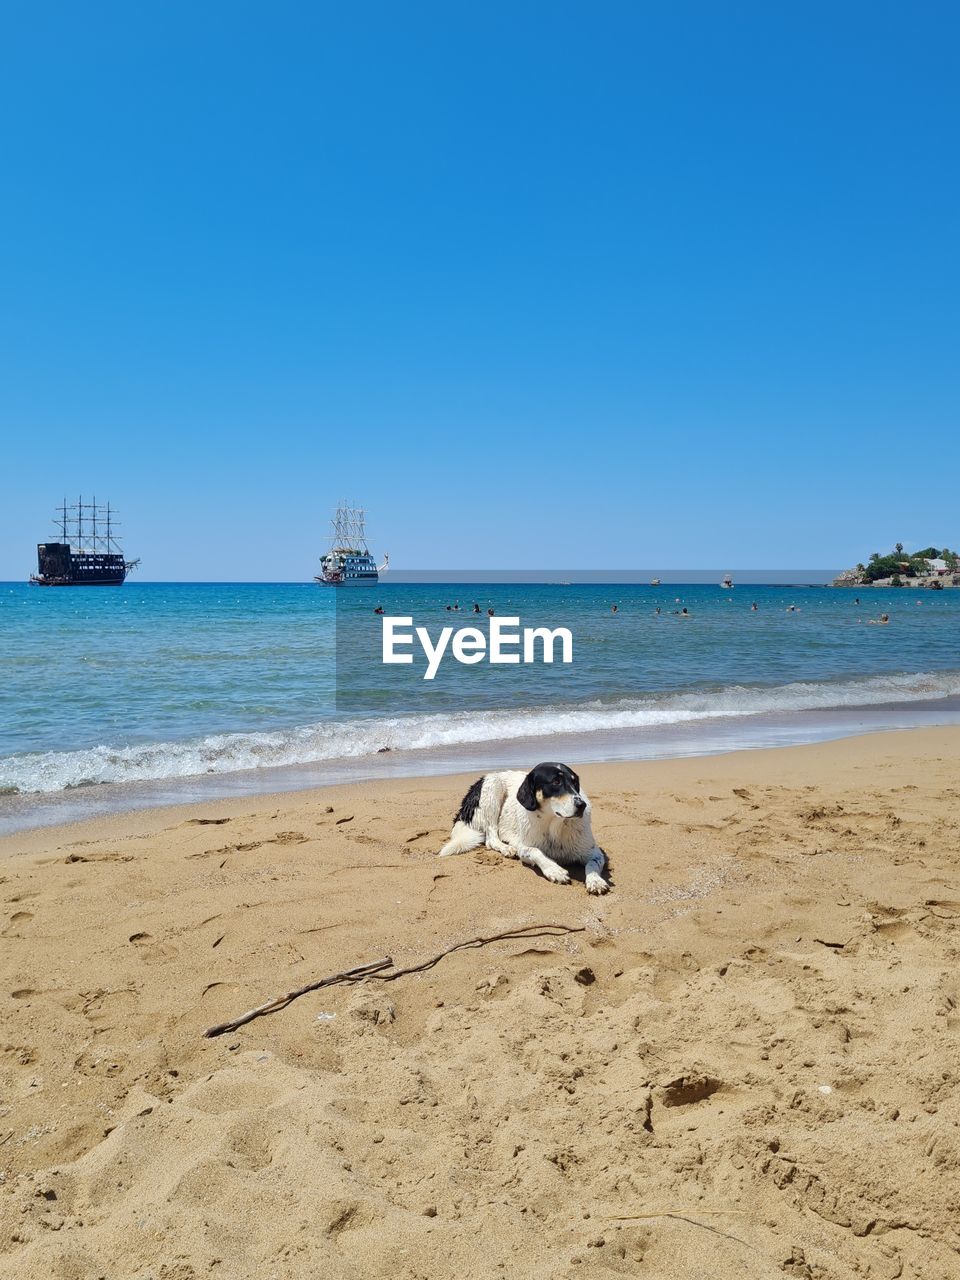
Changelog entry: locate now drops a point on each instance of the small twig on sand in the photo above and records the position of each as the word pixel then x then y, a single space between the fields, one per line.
pixel 375 967
pixel 681 1217
pixel 528 931
pixel 281 1002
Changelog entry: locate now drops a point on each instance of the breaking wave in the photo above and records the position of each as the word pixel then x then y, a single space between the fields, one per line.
pixel 47 772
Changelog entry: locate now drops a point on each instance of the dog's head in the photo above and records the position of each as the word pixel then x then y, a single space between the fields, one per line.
pixel 554 788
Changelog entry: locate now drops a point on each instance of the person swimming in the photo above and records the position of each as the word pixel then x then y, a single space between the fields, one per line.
pixel 753 607
pixel 613 608
pixel 378 609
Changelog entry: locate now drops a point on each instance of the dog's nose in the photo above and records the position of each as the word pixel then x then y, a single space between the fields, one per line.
pixel 580 806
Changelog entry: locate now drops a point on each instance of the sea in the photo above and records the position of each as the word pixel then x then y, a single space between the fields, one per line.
pixel 156 693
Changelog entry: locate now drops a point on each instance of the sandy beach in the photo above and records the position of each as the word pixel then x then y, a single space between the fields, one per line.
pixel 743 1063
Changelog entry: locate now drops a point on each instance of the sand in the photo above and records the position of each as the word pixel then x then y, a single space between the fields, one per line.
pixel 744 1066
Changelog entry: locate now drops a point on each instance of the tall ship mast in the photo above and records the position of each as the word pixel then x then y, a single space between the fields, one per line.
pixel 349 563
pixel 87 551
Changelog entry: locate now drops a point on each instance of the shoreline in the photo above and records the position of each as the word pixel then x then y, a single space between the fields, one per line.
pixel 147 820
pixel 703 737
pixel 738 1033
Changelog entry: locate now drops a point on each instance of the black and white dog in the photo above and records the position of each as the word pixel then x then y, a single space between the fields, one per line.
pixel 541 817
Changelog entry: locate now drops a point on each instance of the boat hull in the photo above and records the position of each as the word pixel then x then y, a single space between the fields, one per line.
pixel 349 582
pixel 85 582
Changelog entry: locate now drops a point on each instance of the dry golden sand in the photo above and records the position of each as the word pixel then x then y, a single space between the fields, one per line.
pixel 648 1097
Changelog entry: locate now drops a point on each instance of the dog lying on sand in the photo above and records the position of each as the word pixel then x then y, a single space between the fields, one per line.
pixel 541 817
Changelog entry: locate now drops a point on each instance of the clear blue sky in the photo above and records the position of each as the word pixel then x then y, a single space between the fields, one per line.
pixel 576 285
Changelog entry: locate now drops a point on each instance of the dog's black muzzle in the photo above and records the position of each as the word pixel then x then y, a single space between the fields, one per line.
pixel 579 808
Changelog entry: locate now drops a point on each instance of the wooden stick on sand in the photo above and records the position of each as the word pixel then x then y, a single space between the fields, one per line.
pixel 281 1002
pixel 375 970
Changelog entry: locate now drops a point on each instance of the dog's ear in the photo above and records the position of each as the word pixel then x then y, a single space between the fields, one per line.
pixel 527 792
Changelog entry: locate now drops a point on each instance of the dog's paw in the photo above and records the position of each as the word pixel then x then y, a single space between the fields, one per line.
pixel 596 883
pixel 556 875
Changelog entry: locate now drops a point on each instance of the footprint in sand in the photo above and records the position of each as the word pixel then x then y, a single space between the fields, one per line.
pixel 102 1006
pixel 20 1054
pixel 18 918
pixel 895 930
pixel 431 839
pixel 152 951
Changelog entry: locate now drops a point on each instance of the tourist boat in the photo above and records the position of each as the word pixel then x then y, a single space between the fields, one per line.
pixel 654 582
pixel 87 552
pixel 349 563
pixel 727 582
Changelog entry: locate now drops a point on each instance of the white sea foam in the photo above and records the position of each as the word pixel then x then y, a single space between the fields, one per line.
pixel 54 771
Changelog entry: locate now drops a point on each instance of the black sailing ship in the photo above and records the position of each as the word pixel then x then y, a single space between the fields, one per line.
pixel 87 551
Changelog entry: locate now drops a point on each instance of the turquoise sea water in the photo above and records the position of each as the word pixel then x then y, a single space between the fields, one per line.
pixel 159 682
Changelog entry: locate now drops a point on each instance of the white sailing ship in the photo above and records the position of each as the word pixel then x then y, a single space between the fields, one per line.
pixel 349 563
